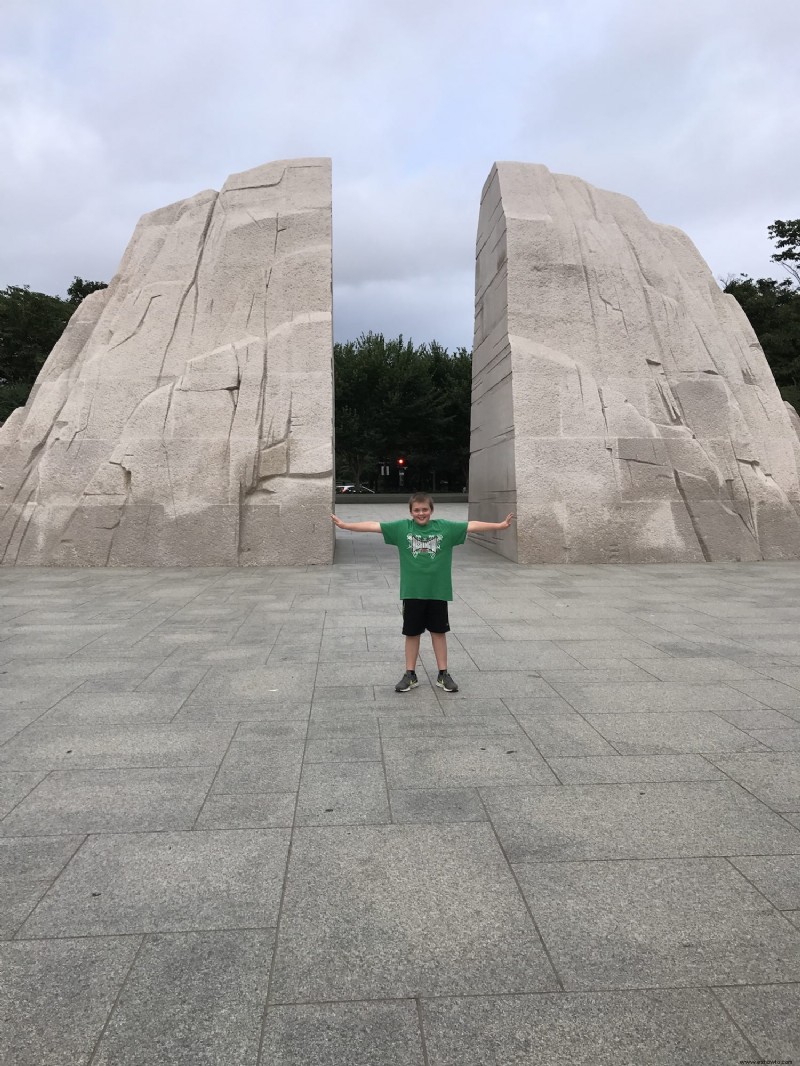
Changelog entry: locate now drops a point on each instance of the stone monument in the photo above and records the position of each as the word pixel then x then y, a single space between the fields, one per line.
pixel 622 405
pixel 185 418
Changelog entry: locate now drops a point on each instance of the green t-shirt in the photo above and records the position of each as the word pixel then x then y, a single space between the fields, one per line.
pixel 426 556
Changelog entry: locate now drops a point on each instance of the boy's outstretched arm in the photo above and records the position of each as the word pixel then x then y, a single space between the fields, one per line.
pixel 357 527
pixel 484 527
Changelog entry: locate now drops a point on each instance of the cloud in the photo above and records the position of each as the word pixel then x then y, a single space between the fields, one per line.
pixel 107 112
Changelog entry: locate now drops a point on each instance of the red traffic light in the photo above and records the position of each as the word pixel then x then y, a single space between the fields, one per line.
pixel 401 462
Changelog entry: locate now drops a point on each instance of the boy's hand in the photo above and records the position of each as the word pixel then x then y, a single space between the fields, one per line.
pixel 337 521
pixel 507 521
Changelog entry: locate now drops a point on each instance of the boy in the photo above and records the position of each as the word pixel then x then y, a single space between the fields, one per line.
pixel 426 547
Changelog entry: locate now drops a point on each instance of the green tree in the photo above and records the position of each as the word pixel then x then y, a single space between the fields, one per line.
pixel 80 289
pixel 786 236
pixel 30 326
pixel 773 308
pixel 394 399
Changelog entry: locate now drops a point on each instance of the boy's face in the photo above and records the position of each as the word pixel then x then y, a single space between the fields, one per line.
pixel 421 513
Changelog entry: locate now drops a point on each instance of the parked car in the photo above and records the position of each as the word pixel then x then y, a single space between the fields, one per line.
pixel 354 488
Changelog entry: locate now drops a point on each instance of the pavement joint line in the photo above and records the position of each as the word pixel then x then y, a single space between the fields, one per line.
pixel 522 896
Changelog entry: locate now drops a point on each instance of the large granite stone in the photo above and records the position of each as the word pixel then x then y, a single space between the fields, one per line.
pixel 622 406
pixel 185 416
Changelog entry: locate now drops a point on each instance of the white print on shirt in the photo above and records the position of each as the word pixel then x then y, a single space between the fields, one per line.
pixel 424 545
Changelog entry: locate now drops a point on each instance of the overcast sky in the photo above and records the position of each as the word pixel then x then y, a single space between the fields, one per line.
pixel 111 110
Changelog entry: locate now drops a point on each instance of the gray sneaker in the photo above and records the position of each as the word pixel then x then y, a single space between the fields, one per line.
pixel 406 682
pixel 445 681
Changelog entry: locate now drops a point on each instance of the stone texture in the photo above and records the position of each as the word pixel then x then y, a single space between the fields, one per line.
pixel 166 882
pixel 343 1034
pixel 622 405
pixel 191 998
pixel 398 911
pixel 667 1028
pixel 55 997
pixel 666 923
pixel 185 417
pixel 769 1015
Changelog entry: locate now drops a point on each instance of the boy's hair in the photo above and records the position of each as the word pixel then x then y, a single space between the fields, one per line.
pixel 421 497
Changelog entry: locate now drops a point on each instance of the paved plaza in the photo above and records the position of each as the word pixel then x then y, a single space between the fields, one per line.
pixel 224 839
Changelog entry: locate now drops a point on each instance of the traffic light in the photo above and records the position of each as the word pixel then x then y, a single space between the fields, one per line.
pixel 401 462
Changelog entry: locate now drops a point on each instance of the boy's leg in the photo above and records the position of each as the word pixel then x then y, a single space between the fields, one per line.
pixel 439 642
pixel 412 652
pixel 412 629
pixel 438 626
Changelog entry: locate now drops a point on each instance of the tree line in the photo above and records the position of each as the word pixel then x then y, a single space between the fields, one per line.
pixel 30 325
pixel 402 414
pixel 773 308
pixel 403 410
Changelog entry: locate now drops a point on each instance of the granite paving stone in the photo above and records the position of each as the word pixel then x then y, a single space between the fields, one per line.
pixel 253 653
pixel 83 746
pixel 329 708
pixel 776 876
pixel 695 669
pixel 176 679
pixel 597 671
pixel 768 1015
pixel 344 728
pixel 772 694
pixel 110 801
pixel 270 684
pixel 786 675
pixel 166 882
pixel 473 708
pixel 657 923
pixel 400 911
pixel 260 764
pixel 611 769
pixel 191 998
pixel 17 900
pixel 751 721
pixel 343 1034
pixel 521 655
pixel 103 708
pixel 279 730
pixel 14 788
pixel 485 684
pixel 343 749
pixel 456 762
pixel 17 693
pixel 652 697
pixel 82 669
pixel 773 777
pixel 436 805
pixel 36 858
pixel 206 764
pixel 778 739
pixel 635 821
pixel 587 651
pixel 201 708
pixel 479 725
pixel 351 694
pixel 552 704
pixel 247 810
pixel 55 997
pixel 342 794
pixel 561 734
pixel 674 732
pixel 656 1027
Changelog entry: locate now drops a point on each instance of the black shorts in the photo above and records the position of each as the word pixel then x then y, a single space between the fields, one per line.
pixel 419 615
